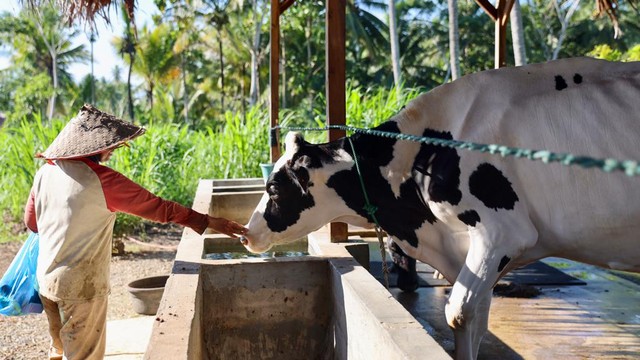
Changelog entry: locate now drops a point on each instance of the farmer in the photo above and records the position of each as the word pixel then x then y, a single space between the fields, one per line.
pixel 73 205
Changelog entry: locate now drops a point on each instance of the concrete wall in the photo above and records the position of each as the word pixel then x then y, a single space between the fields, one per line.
pixel 234 199
pixel 369 323
pixel 325 306
pixel 268 310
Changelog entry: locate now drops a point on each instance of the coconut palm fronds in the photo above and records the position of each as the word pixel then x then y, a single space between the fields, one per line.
pixel 610 8
pixel 86 10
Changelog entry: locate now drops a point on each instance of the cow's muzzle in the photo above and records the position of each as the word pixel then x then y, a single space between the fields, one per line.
pixel 243 240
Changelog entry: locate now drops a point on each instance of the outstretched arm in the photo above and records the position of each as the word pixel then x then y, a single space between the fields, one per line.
pixel 124 195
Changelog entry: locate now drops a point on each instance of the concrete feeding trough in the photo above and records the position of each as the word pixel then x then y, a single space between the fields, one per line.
pixel 323 305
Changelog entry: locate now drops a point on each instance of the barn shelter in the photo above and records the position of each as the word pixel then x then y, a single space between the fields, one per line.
pixel 187 274
pixel 87 11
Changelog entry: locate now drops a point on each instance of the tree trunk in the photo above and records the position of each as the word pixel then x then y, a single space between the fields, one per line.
pixel 307 35
pixel 54 78
pixel 564 21
pixel 92 39
pixel 454 40
pixel 129 95
pixel 395 47
pixel 258 18
pixel 53 51
pixel 243 90
pixel 517 35
pixel 221 70
pixel 150 94
pixel 185 94
pixel 283 72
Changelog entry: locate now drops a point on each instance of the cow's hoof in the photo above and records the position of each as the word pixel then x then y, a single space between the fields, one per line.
pixel 408 285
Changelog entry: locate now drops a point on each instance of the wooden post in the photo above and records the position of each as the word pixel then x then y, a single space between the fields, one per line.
pixel 500 15
pixel 274 80
pixel 277 9
pixel 335 84
pixel 503 10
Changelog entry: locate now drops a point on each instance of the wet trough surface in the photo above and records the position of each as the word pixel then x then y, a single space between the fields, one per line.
pixel 597 320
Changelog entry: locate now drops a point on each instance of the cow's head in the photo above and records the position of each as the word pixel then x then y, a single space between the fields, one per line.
pixel 297 199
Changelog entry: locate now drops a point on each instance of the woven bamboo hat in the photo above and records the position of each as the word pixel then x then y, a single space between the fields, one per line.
pixel 89 133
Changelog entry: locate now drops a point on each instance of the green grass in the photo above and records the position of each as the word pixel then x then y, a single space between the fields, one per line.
pixel 170 158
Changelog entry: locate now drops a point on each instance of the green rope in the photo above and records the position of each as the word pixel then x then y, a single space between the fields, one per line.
pixel 368 207
pixel 629 167
pixel 371 210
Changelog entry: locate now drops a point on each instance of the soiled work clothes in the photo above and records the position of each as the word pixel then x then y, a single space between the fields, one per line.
pixel 73 205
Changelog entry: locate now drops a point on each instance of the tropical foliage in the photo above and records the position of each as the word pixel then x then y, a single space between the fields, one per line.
pixel 197 77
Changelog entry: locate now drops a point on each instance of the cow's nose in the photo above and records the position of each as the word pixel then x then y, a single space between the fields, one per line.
pixel 244 240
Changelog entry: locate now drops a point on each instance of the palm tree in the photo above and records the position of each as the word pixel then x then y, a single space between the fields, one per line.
pixel 215 13
pixel 454 40
pixel 245 35
pixel 127 46
pixel 256 50
pixel 393 39
pixel 43 43
pixel 365 29
pixel 155 60
pixel 517 35
pixel 92 40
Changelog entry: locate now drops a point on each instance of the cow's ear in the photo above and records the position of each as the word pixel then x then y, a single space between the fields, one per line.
pixel 299 168
pixel 302 161
pixel 293 141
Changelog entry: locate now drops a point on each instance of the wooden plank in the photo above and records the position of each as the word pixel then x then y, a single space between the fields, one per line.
pixel 284 5
pixel 488 8
pixel 507 12
pixel 335 84
pixel 503 9
pixel 274 80
pixel 335 66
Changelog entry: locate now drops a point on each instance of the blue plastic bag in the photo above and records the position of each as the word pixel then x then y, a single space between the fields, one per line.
pixel 19 286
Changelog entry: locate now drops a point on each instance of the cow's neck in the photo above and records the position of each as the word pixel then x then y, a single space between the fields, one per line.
pixel 387 171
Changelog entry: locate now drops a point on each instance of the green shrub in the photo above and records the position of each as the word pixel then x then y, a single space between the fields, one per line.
pixel 170 158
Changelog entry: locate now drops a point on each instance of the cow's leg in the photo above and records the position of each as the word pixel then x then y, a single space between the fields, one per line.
pixel 467 308
pixel 405 267
pixel 468 339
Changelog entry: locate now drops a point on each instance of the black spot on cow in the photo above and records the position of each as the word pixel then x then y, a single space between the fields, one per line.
pixel 577 79
pixel 442 165
pixel 490 186
pixel 503 262
pixel 560 83
pixel 372 148
pixel 469 217
pixel 397 216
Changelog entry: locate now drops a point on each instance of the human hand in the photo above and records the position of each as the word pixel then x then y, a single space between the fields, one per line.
pixel 227 227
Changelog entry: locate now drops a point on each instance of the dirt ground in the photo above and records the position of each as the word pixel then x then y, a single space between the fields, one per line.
pixel 26 337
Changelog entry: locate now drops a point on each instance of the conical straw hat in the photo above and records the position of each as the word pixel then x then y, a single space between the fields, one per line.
pixel 89 133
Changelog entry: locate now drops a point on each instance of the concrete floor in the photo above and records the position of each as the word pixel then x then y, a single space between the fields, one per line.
pixel 599 320
pixel 127 339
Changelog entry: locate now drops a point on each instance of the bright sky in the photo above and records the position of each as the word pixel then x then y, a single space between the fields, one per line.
pixel 105 55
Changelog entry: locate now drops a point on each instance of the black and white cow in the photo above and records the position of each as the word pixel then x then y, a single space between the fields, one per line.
pixel 474 216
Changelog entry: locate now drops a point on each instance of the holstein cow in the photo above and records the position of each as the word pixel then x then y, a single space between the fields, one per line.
pixel 475 216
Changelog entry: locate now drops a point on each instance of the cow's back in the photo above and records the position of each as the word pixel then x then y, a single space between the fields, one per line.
pixel 580 106
pixel 559 106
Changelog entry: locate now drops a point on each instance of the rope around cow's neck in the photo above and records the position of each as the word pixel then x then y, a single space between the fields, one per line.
pixel 629 167
pixel 371 210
